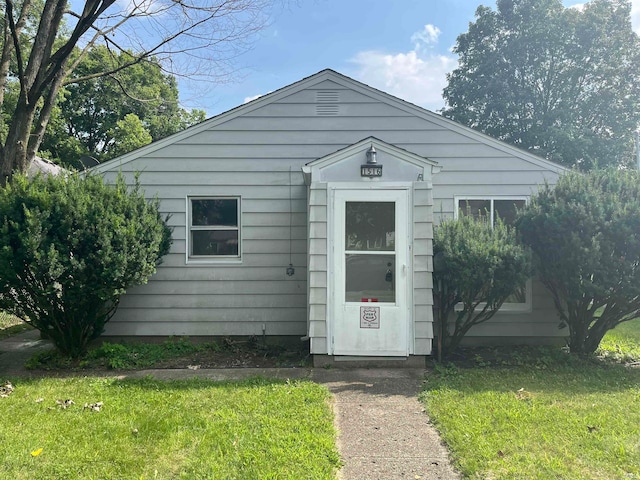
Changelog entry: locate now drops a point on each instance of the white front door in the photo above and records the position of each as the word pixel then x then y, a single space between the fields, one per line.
pixel 370 314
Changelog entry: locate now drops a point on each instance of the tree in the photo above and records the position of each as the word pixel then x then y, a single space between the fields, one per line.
pixel 477 266
pixel 585 237
pixel 563 83
pixel 206 35
pixel 69 247
pixel 87 112
pixel 127 135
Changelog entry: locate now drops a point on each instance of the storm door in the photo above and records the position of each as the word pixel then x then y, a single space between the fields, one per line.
pixel 370 235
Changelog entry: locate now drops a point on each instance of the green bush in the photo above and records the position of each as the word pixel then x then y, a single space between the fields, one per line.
pixel 585 237
pixel 476 266
pixel 70 247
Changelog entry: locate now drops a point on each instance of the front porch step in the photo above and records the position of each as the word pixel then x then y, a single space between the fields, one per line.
pixel 343 361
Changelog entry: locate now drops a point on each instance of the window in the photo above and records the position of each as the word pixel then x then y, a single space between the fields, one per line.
pixel 504 208
pixel 491 208
pixel 214 227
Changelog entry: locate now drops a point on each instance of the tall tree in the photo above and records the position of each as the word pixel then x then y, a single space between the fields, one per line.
pixel 563 83
pixel 208 34
pixel 88 111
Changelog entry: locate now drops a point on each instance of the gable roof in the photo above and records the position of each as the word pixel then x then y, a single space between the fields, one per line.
pixel 347 82
pixel 365 144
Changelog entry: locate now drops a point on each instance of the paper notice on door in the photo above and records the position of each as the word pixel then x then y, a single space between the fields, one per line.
pixel 369 317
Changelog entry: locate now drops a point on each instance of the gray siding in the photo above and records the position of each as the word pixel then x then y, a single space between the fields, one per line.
pixel 318 288
pixel 249 153
pixel 422 267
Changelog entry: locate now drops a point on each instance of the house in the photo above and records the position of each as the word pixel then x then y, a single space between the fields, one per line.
pixel 42 166
pixel 309 212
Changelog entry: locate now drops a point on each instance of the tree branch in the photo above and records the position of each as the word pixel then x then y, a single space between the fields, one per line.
pixel 16 45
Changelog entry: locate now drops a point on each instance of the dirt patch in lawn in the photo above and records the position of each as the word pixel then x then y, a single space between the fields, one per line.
pixel 245 356
pixel 178 353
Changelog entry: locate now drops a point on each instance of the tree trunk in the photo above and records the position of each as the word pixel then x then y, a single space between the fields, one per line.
pixel 14 156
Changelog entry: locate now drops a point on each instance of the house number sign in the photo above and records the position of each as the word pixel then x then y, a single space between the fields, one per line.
pixel 371 170
pixel 369 317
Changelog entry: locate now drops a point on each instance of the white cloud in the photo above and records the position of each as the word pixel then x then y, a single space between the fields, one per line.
pixel 417 76
pixel 428 36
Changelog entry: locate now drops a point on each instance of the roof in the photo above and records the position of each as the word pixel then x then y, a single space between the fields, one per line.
pixel 43 166
pixel 345 81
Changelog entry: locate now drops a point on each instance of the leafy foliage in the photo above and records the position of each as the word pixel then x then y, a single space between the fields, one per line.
pixel 45 41
pixel 560 82
pixel 69 247
pixel 477 266
pixel 86 119
pixel 585 236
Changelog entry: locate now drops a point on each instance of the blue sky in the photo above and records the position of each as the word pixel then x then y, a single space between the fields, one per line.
pixel 399 46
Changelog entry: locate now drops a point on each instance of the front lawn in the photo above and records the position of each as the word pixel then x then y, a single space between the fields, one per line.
pixel 623 342
pixel 148 429
pixel 569 422
pixel 538 413
pixel 10 325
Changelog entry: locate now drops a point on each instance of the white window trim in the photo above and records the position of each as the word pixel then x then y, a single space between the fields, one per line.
pixel 527 306
pixel 212 259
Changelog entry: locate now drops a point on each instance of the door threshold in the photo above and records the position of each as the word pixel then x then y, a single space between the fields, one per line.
pixel 354 358
pixel 353 361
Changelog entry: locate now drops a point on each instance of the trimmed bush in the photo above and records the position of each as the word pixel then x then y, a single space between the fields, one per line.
pixel 585 237
pixel 70 247
pixel 476 268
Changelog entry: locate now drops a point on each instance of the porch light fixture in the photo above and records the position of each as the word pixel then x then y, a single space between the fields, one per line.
pixel 371 168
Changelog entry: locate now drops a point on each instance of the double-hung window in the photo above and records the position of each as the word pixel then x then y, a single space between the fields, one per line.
pixel 490 208
pixel 214 228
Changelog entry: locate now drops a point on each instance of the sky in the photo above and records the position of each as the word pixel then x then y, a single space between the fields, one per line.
pixel 402 47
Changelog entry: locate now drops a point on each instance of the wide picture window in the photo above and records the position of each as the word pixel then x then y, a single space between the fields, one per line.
pixel 506 209
pixel 214 228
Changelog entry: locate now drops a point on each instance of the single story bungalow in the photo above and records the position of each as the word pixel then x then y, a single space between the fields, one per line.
pixel 309 212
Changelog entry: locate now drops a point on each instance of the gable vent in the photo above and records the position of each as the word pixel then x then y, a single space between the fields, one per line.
pixel 327 96
pixel 327 110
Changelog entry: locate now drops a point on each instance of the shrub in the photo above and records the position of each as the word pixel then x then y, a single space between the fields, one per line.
pixel 476 266
pixel 585 236
pixel 70 247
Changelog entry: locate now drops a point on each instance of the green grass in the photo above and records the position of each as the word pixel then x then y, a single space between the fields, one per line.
pixel 10 325
pixel 129 356
pixel 622 343
pixel 174 351
pixel 577 419
pixel 148 429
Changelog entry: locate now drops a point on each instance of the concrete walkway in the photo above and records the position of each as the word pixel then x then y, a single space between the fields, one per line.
pixel 383 431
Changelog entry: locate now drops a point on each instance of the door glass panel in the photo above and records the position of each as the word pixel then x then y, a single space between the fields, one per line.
pixel 370 278
pixel 370 226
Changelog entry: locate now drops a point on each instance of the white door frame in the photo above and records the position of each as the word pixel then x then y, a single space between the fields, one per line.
pixel 405 275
